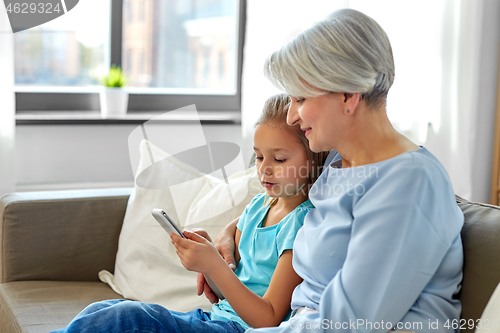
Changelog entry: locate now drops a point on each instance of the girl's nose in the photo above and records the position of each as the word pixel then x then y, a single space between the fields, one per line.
pixel 265 169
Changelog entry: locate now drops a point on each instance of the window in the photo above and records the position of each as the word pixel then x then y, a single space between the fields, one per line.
pixel 64 52
pixel 174 53
pixel 183 53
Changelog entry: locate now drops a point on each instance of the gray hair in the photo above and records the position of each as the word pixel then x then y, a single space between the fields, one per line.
pixel 346 52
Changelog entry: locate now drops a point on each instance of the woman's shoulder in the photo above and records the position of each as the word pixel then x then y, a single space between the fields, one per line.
pixel 421 175
pixel 411 164
pixel 414 162
pixel 423 162
pixel 416 173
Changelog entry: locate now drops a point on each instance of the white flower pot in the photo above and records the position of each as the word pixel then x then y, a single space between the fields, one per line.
pixel 114 102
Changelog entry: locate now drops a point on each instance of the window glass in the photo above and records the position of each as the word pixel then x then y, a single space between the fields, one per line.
pixel 72 50
pixel 188 46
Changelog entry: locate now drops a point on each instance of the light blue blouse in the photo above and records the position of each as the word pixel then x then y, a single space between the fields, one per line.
pixel 381 250
pixel 260 249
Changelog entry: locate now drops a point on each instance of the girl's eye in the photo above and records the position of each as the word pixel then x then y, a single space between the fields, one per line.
pixel 259 158
pixel 300 100
pixel 280 161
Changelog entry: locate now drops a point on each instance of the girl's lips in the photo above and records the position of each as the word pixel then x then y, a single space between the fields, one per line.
pixel 307 131
pixel 268 185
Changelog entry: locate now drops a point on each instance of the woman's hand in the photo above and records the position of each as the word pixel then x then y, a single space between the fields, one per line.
pixel 225 244
pixel 196 252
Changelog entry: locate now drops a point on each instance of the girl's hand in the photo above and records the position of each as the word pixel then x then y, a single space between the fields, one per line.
pixel 196 252
pixel 226 247
pixel 201 284
pixel 202 232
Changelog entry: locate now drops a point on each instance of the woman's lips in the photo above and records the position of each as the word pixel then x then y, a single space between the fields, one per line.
pixel 307 131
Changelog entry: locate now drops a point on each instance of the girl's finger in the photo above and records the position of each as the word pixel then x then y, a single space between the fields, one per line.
pixel 195 237
pixel 174 237
pixel 181 242
pixel 202 232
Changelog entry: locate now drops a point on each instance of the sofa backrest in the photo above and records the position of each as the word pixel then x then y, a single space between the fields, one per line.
pixel 481 242
pixel 60 235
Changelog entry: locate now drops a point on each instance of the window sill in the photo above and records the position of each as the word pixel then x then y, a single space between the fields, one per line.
pixel 94 118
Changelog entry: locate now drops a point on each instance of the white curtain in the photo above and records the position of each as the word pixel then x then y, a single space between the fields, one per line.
pixel 453 142
pixel 7 105
pixel 438 58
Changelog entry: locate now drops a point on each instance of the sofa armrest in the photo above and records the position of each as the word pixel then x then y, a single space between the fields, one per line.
pixel 60 235
pixel 481 242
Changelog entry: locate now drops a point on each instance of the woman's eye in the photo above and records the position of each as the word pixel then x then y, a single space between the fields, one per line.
pixel 259 158
pixel 300 100
pixel 280 161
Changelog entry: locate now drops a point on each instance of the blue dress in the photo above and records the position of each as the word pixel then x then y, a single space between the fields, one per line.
pixel 381 250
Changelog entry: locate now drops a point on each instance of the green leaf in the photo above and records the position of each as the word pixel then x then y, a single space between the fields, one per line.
pixel 115 78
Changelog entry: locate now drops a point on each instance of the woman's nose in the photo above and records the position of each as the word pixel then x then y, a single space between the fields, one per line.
pixel 292 116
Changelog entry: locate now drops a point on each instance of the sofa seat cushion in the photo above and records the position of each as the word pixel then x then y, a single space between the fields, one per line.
pixel 44 306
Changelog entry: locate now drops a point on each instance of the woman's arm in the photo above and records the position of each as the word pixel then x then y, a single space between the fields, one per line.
pixel 225 244
pixel 200 255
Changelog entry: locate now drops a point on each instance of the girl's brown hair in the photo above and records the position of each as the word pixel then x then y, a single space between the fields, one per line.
pixel 274 114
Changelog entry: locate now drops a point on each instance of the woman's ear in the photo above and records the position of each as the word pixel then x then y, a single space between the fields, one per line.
pixel 351 101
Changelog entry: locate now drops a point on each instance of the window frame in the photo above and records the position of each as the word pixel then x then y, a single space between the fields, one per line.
pixel 76 99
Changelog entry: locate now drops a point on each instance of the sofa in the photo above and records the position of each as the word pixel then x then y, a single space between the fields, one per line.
pixel 53 244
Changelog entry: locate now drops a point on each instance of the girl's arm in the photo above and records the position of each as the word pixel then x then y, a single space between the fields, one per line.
pixel 198 254
pixel 225 244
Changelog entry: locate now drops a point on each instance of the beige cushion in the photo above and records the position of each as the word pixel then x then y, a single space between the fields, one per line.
pixel 44 306
pixel 481 241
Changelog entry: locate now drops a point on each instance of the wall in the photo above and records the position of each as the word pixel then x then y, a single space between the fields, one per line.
pixel 7 106
pixel 81 156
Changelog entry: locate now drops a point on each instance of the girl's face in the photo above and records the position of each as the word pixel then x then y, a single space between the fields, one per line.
pixel 281 161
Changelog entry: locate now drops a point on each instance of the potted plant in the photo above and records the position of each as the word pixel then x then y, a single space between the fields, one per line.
pixel 113 98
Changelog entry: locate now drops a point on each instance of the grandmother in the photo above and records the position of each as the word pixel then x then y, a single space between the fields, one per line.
pixel 382 248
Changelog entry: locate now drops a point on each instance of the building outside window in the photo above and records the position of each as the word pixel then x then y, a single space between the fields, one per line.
pixel 167 48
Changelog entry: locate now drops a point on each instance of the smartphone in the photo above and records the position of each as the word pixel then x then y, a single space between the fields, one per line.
pixel 169 226
pixel 166 222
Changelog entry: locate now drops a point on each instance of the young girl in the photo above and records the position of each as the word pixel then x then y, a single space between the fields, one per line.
pixel 258 293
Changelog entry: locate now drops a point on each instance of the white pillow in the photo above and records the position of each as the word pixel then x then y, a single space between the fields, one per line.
pixel 147 268
pixel 490 319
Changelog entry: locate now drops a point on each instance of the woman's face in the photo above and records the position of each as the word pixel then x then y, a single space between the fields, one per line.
pixel 319 117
